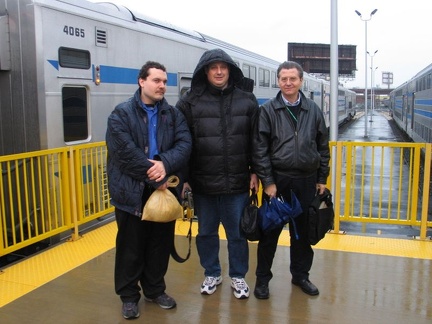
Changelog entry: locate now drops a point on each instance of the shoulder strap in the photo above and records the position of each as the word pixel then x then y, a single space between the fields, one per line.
pixel 174 253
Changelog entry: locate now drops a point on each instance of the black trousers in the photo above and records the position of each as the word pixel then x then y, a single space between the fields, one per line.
pixel 142 256
pixel 301 253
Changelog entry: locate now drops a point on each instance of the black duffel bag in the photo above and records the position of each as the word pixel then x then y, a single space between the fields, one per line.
pixel 249 222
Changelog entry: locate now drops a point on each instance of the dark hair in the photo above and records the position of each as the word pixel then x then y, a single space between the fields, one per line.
pixel 143 73
pixel 290 65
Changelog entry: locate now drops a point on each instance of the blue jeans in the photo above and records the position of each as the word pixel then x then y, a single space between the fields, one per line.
pixel 211 210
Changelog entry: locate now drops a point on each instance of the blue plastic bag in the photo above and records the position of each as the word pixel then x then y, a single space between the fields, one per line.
pixel 277 212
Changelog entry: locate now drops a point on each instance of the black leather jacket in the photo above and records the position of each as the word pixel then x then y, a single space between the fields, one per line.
pixel 280 148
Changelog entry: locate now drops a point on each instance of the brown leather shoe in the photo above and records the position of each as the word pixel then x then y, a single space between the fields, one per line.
pixel 307 286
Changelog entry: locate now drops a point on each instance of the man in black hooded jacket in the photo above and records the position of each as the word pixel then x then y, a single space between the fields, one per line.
pixel 221 117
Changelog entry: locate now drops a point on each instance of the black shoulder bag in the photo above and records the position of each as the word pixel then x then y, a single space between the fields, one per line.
pixel 320 216
pixel 249 223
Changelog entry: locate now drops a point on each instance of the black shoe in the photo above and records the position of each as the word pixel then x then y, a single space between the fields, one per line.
pixel 307 286
pixel 164 301
pixel 261 291
pixel 130 310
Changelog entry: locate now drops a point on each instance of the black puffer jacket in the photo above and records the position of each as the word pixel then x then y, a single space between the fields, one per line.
pixel 280 148
pixel 221 123
pixel 127 143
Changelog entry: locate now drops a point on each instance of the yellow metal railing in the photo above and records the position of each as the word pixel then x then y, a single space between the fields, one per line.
pixel 49 192
pixel 382 183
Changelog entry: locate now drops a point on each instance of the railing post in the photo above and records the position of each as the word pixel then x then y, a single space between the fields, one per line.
pixel 426 188
pixel 337 174
pixel 75 235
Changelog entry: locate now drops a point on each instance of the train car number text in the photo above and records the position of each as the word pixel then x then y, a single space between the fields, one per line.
pixel 74 31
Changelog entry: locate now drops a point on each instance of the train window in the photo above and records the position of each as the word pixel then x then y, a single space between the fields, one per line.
pixel 249 72
pixel 74 58
pixel 75 116
pixel 245 70
pixel 264 78
pixel 261 77
pixel 274 79
pixel 252 74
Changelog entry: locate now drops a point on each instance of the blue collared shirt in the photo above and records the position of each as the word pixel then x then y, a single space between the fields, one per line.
pixel 152 115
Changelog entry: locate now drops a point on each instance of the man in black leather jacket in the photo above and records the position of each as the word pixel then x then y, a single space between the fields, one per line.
pixel 221 117
pixel 148 140
pixel 291 153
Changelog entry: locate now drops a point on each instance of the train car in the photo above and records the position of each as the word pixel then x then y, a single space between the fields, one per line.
pixel 319 91
pixel 411 106
pixel 65 64
pixel 346 100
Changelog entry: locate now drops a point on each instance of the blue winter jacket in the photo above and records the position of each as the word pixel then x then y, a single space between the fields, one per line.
pixel 127 142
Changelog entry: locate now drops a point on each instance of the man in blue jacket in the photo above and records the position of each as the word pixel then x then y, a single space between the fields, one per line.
pixel 148 140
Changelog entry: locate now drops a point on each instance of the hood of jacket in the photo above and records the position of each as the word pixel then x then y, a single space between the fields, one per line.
pixel 199 78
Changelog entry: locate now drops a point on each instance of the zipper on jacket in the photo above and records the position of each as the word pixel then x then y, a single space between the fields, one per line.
pixel 295 126
pixel 224 136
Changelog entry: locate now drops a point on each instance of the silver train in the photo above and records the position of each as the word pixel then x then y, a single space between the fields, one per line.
pixel 411 106
pixel 65 64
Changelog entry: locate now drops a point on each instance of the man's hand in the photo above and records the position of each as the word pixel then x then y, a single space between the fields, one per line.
pixel 157 171
pixel 321 187
pixel 271 191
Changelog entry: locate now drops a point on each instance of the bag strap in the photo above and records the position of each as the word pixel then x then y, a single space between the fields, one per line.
pixel 174 253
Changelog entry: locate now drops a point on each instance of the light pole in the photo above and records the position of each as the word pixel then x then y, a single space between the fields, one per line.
pixel 372 85
pixel 366 79
pixel 373 88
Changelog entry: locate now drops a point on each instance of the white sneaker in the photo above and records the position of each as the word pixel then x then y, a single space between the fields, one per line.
pixel 241 288
pixel 208 287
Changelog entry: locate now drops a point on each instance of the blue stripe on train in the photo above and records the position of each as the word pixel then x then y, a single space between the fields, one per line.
pixel 423 113
pixel 120 75
pixel 113 74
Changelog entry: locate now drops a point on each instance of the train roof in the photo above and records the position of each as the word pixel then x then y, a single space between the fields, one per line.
pixel 148 20
pixel 425 70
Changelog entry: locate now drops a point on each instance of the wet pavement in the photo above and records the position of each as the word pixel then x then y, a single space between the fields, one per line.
pixel 380 128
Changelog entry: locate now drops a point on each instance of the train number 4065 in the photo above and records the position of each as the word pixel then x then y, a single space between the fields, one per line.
pixel 74 31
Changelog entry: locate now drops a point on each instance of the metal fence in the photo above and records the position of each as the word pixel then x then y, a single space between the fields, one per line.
pixel 382 182
pixel 49 192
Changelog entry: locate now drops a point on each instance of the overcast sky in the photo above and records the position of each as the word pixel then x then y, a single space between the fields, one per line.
pixel 400 31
